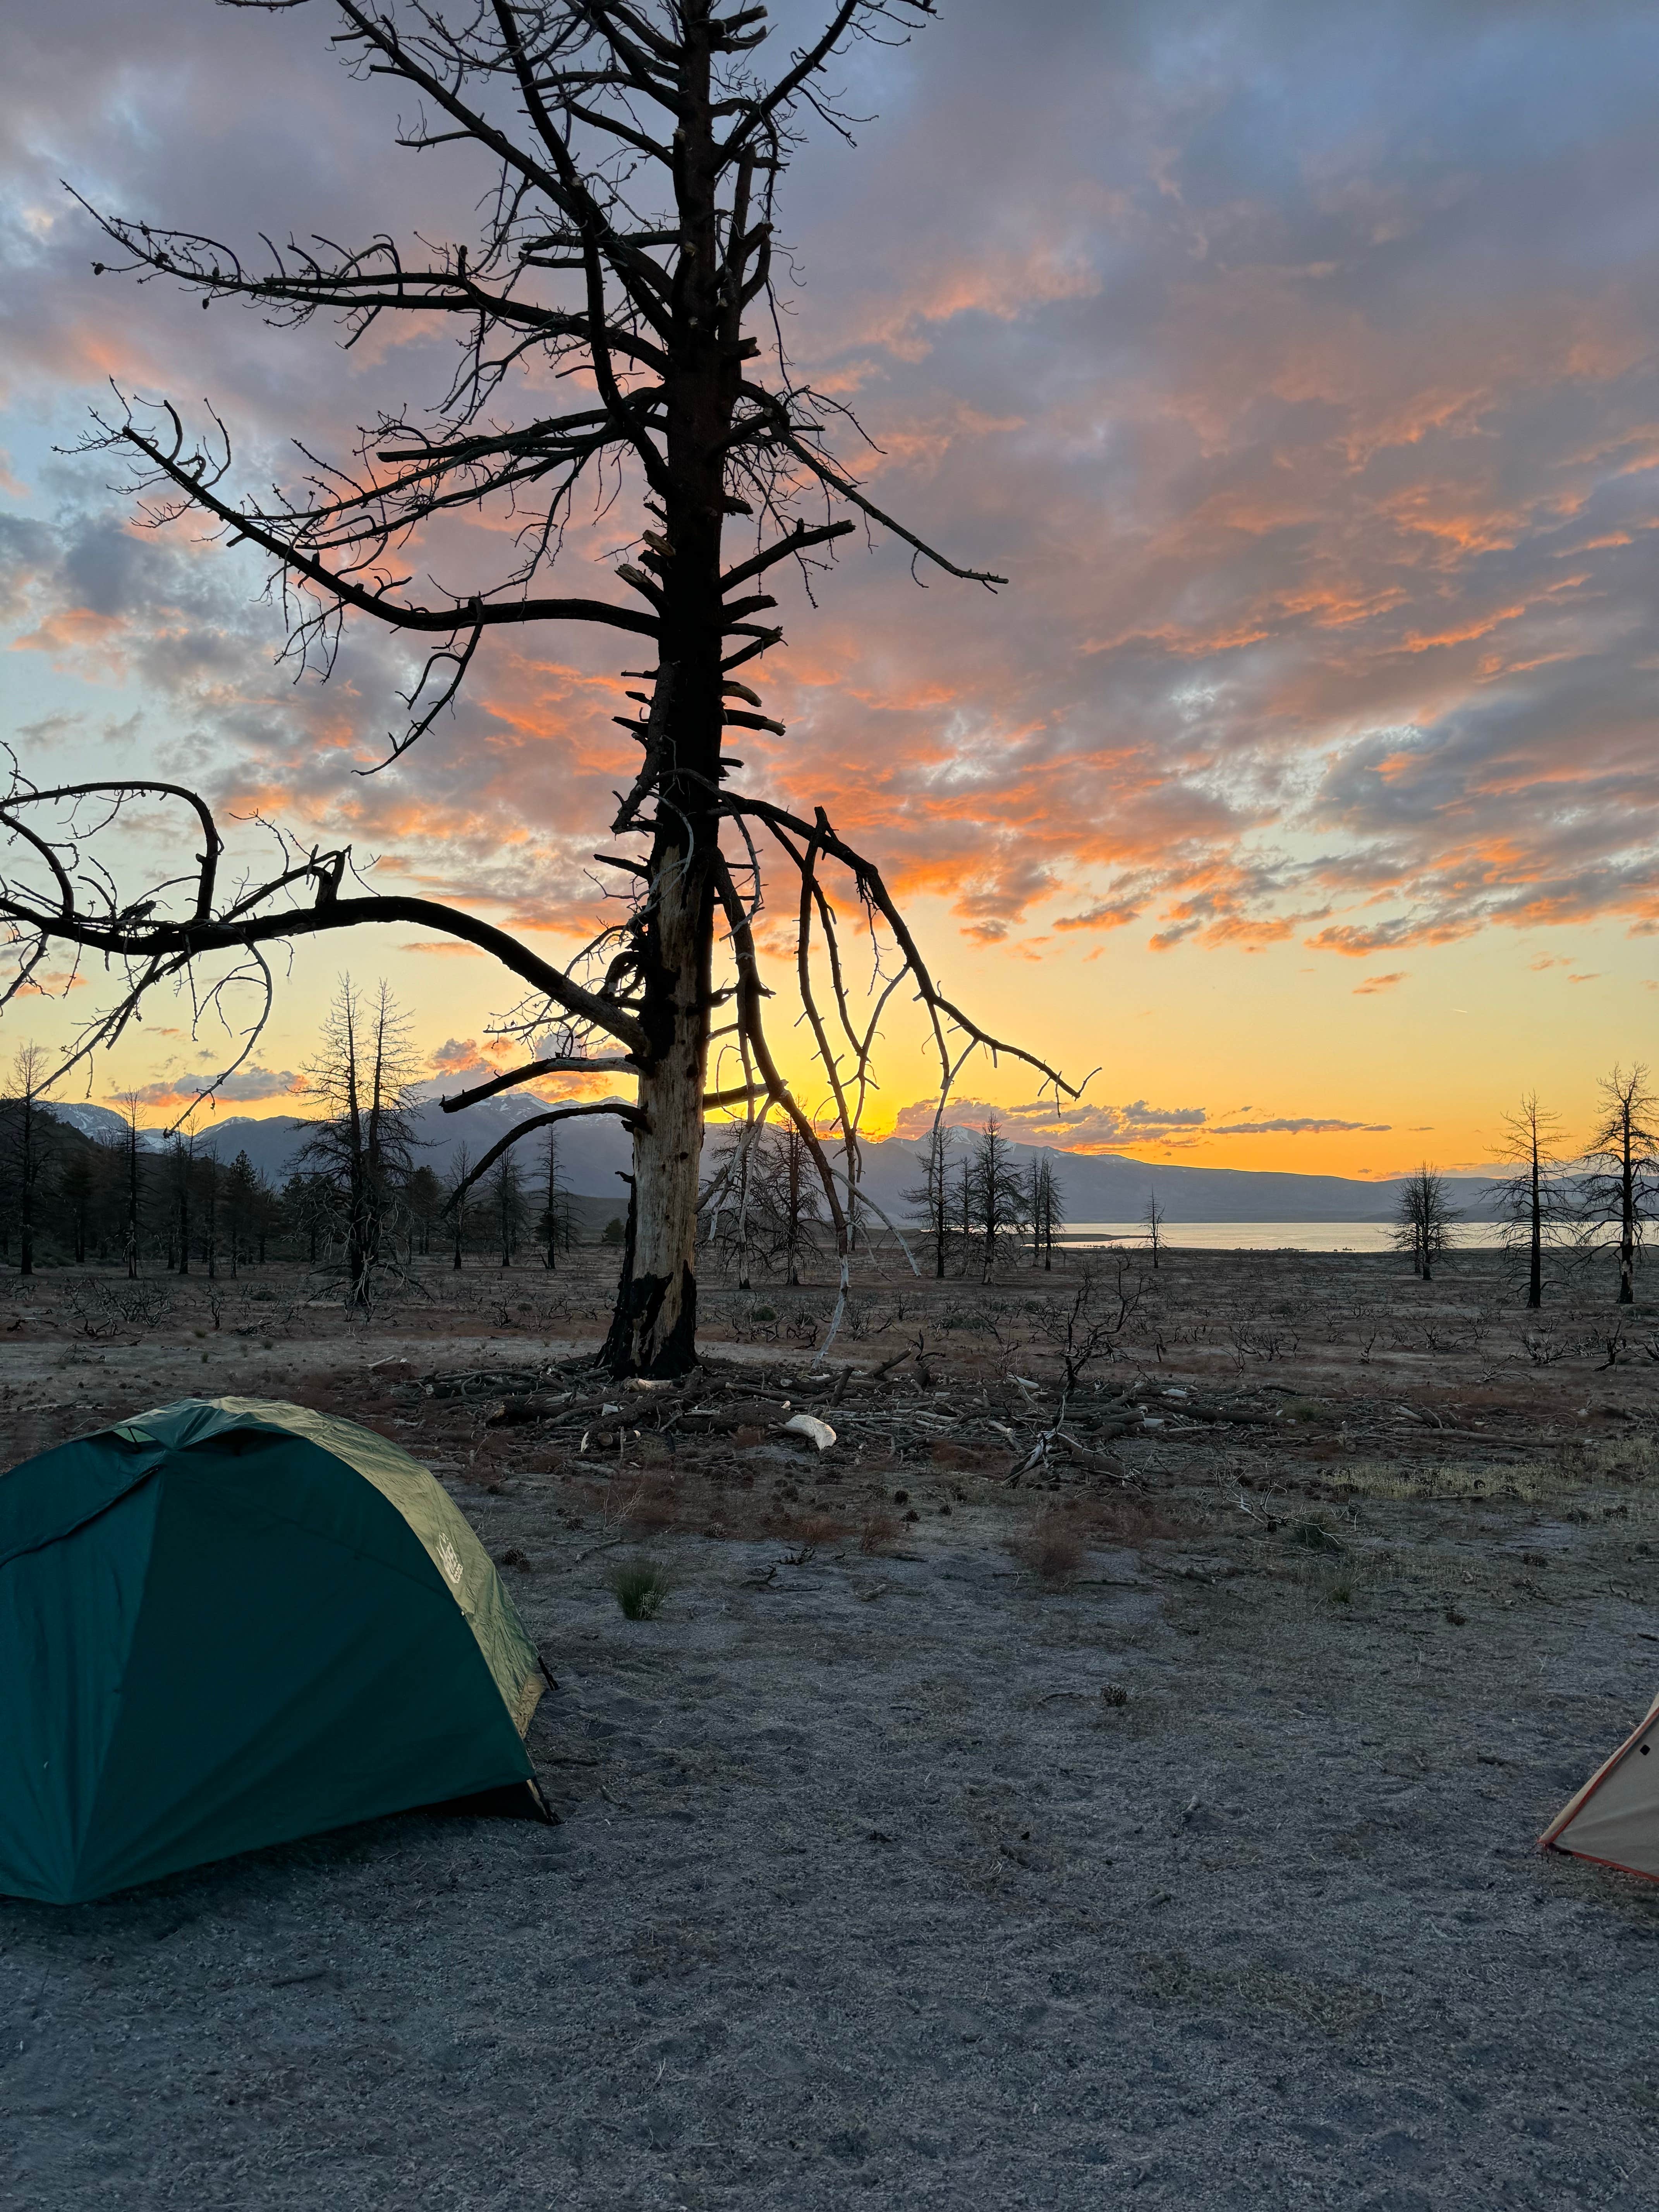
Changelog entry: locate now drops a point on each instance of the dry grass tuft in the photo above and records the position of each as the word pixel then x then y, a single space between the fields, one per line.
pixel 812 1529
pixel 1465 1481
pixel 821 1529
pixel 880 1532
pixel 1052 1548
pixel 654 1505
pixel 1125 1520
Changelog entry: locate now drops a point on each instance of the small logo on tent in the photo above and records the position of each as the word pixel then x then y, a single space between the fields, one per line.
pixel 449 1559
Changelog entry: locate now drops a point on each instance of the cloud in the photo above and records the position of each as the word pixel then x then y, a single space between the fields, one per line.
pixel 1106 916
pixel 1375 984
pixel 1083 1128
pixel 1114 1128
pixel 51 983
pixel 245 1085
pixel 465 1056
pixel 1299 1125
pixel 443 946
pixel 1310 410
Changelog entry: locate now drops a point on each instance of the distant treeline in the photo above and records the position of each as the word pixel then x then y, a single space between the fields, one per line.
pixel 70 1199
pixel 973 1207
pixel 358 1203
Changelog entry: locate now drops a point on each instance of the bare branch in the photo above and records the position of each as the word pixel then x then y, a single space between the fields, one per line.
pixel 564 1064
pixel 619 1107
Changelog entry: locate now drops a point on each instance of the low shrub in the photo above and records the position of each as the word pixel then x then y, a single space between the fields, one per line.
pixel 879 1533
pixel 655 1505
pixel 642 1587
pixel 1052 1548
pixel 1122 1519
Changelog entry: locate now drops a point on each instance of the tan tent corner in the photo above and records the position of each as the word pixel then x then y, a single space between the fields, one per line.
pixel 1614 1818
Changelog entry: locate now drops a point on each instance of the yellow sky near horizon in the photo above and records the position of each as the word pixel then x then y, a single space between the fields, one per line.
pixel 1201 1041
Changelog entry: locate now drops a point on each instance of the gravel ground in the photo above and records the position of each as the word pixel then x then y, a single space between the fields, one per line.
pixel 863 1894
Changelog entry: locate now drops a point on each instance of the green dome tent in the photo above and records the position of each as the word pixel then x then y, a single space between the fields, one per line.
pixel 228 1623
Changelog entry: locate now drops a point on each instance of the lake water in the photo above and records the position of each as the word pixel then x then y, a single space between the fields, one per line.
pixel 1267 1236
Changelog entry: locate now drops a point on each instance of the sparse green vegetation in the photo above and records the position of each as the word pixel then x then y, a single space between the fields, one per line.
pixel 642 1588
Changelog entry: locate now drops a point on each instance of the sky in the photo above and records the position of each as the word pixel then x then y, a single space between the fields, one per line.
pixel 1296 364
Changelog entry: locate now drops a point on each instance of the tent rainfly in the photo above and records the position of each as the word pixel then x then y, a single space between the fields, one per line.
pixel 1614 1818
pixel 228 1623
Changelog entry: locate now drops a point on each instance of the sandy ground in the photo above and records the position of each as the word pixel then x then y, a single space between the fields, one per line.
pixel 863 1891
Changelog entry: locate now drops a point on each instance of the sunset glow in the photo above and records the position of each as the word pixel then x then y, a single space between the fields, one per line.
pixel 1299 370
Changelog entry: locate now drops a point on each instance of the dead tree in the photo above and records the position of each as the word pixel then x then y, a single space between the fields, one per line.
pixel 930 1199
pixel 131 1156
pixel 208 1168
pixel 625 258
pixel 181 1164
pixel 996 1193
pixel 792 1206
pixel 504 1197
pixel 1424 1220
pixel 1622 1190
pixel 1534 1203
pixel 25 1130
pixel 362 1142
pixel 1152 1215
pixel 460 1185
pixel 556 1224
pixel 729 1210
pixel 1048 1209
pixel 1089 1327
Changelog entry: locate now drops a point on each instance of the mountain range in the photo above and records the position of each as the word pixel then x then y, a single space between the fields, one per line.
pixel 1097 1185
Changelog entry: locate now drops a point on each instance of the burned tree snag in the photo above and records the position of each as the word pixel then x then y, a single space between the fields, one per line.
pixel 625 258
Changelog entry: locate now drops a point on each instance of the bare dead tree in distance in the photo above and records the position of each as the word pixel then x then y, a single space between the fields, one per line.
pixel 1619 1189
pixel 625 260
pixel 1425 1221
pixel 1152 1214
pixel 1535 1201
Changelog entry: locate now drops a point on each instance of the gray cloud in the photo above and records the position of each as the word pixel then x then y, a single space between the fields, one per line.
pixel 246 1084
pixel 1078 1128
pixel 1296 1125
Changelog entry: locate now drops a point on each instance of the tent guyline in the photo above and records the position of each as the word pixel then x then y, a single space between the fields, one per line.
pixel 637 150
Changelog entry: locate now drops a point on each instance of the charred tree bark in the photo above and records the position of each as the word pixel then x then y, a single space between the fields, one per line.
pixel 655 1332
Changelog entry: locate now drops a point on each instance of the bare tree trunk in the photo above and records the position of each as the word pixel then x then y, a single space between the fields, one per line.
pixel 1535 1269
pixel 653 1332
pixel 26 1195
pixel 132 1196
pixel 1627 1219
pixel 550 1252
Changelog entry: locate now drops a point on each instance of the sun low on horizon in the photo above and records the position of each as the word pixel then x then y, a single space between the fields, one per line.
pixel 1300 373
